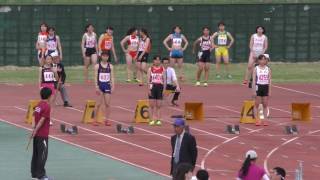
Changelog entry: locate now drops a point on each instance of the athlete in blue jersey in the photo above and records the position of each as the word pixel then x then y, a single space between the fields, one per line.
pixel 179 44
pixel 104 81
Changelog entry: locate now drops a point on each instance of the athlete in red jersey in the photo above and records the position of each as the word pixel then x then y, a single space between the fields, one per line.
pixel 131 52
pixel 41 44
pixel 156 85
pixel 105 43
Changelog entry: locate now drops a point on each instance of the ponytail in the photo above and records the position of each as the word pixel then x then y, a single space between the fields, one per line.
pixel 245 167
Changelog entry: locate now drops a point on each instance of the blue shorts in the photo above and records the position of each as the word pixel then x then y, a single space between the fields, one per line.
pixel 105 88
pixel 175 53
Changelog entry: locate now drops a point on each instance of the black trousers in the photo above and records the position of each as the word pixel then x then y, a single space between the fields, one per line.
pixel 173 88
pixel 39 157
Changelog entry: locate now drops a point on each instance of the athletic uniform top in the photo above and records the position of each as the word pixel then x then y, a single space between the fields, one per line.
pixel 258 42
pixel 133 41
pixel 142 45
pixel 47 75
pixel 42 37
pixel 104 74
pixel 205 43
pixel 106 43
pixel 157 75
pixel 91 40
pixel 176 40
pixel 222 39
pixel 52 43
pixel 263 75
pixel 42 110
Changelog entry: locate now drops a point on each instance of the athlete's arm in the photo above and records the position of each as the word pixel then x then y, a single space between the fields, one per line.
pixel 38 126
pixel 265 177
pixel 59 47
pixel 123 41
pixel 213 37
pixel 265 45
pixel 96 45
pixel 96 67
pixel 99 44
pixel 195 43
pixel 149 81
pixel 113 85
pixel 185 42
pixel 165 42
pixel 270 78
pixel 40 77
pixel 114 52
pixel 251 43
pixel 83 49
pixel 254 76
pixel 231 39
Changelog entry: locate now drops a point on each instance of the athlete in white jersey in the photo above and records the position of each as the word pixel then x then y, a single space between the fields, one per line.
pixel 261 88
pixel 179 44
pixel 41 43
pixel 203 56
pixel 258 46
pixel 89 49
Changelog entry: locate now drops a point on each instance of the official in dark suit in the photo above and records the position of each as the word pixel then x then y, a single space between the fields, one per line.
pixel 184 146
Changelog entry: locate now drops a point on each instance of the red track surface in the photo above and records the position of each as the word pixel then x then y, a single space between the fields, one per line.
pixel 221 153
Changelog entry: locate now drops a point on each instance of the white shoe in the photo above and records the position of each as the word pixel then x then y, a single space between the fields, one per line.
pixel 51 123
pixel 198 83
pixel 205 84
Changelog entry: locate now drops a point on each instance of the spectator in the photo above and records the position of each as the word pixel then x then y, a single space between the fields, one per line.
pixel 184 146
pixel 249 169
pixel 183 172
pixel 278 173
pixel 202 174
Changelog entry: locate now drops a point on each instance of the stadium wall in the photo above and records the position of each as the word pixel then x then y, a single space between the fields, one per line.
pixel 293 29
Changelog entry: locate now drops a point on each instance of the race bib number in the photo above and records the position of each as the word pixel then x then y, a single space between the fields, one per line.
pixel 177 41
pixel 156 78
pixel 263 78
pixel 42 38
pixel 104 77
pixel 90 43
pixel 134 43
pixel 107 45
pixel 48 76
pixel 51 45
pixel 222 39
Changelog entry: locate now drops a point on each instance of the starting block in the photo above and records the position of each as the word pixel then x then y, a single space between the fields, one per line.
pixel 73 130
pixel 89 113
pixel 291 129
pixel 193 111
pixel 233 129
pixel 129 130
pixel 247 113
pixel 301 112
pixel 29 117
pixel 141 114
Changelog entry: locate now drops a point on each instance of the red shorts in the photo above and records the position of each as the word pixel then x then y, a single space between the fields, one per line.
pixel 133 54
pixel 50 86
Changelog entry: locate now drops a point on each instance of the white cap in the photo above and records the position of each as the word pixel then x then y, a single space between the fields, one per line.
pixel 252 154
pixel 267 56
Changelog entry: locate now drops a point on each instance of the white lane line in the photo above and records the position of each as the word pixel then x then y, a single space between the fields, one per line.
pixel 196 129
pixel 217 146
pixel 265 163
pixel 151 132
pixel 91 150
pixel 296 91
pixel 111 137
